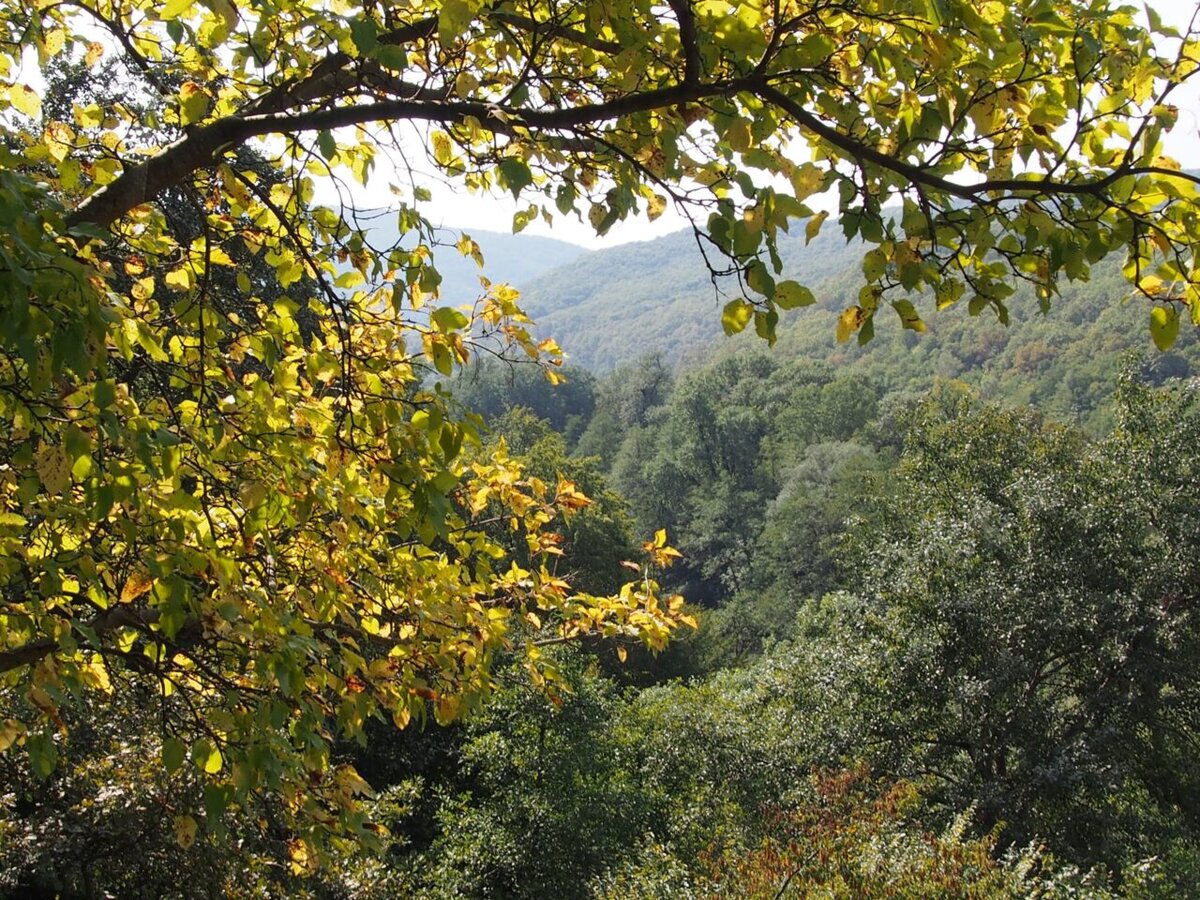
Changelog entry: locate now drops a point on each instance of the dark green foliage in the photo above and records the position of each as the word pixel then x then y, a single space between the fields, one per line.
pixel 615 306
pixel 730 463
pixel 492 387
pixel 545 798
pixel 101 824
pixel 629 398
pixel 1025 627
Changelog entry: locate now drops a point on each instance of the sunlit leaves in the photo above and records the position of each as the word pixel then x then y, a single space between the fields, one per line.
pixel 736 316
pixel 1164 326
pixel 592 114
pixel 25 100
pixel 243 496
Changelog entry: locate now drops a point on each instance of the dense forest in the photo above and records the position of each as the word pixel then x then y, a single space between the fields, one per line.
pixel 945 646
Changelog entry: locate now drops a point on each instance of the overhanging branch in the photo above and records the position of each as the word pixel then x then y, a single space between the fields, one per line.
pixel 124 616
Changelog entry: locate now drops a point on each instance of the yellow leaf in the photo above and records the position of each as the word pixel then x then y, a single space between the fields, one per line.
pixel 442 148
pixel 993 11
pixel 95 674
pixel 596 215
pixel 226 10
pixel 59 139
pixel 10 730
pixel 1151 284
pixel 347 778
pixel 301 859
pixel 26 100
pixel 656 206
pixel 401 717
pixel 136 584
pixel 54 42
pixel 185 831
pixel 813 228
pixel 849 322
pixel 807 180
pixel 173 9
pixel 53 468
pixel 180 279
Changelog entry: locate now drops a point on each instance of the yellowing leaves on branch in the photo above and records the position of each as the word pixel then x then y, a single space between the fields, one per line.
pixel 223 473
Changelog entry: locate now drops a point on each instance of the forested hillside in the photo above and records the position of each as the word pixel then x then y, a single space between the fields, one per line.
pixel 613 308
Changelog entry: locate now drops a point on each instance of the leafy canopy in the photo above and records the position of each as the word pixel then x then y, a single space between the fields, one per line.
pixel 220 469
pixel 968 144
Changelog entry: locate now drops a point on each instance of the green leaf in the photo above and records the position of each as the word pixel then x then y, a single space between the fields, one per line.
pixel 104 392
pixel 908 315
pixel 764 325
pixel 43 754
pixel 866 332
pixel 759 279
pixel 516 175
pixel 173 753
pixel 206 756
pixel 447 318
pixel 365 34
pixel 326 144
pixel 453 20
pixel 391 56
pixel 1164 326
pixel 792 294
pixel 874 265
pixel 216 800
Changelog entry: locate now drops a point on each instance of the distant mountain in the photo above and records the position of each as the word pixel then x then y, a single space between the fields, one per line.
pixel 517 259
pixel 611 307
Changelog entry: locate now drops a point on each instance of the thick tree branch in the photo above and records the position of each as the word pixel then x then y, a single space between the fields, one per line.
pixel 142 183
pixel 919 175
pixel 145 181
pixel 124 616
pixel 324 78
pixel 687 40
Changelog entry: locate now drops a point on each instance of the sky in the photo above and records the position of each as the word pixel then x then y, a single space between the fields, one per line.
pixel 455 208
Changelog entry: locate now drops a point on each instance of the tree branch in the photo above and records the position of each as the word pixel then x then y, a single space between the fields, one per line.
pixel 687 39
pixel 118 617
pixel 142 183
pixel 921 176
